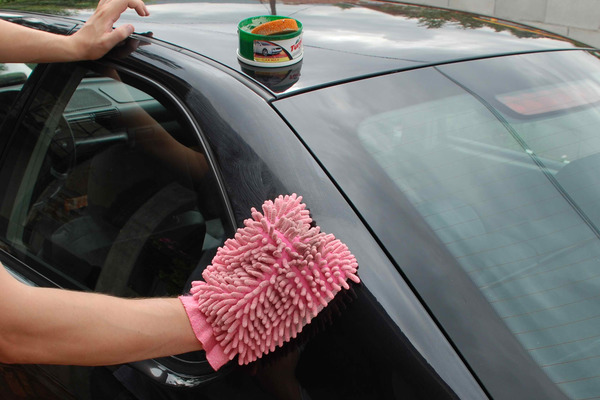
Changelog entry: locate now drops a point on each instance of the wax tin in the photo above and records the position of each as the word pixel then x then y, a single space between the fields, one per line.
pixel 268 50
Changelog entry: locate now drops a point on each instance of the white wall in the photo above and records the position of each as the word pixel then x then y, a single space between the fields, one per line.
pixel 577 19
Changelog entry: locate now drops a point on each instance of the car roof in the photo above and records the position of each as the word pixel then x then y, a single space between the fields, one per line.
pixel 349 40
pixel 342 40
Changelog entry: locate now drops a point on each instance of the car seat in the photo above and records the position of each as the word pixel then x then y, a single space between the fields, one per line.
pixel 130 199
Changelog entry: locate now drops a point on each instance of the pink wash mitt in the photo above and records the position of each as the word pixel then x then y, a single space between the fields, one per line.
pixel 267 283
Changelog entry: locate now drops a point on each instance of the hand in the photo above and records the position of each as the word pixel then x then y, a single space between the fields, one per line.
pixel 97 35
pixel 128 46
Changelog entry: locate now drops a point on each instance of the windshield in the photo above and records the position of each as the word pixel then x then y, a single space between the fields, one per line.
pixel 495 167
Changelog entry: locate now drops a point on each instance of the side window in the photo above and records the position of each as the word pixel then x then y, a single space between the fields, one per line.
pixel 110 188
pixel 14 74
pixel 12 78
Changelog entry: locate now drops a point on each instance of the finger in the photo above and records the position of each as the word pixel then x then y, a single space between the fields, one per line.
pixel 119 34
pixel 116 7
pixel 139 6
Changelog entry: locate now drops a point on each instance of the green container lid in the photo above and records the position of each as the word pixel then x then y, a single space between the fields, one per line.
pixel 268 50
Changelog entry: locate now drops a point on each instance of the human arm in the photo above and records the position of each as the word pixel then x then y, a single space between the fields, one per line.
pixel 151 136
pixel 95 38
pixel 55 326
pixel 159 143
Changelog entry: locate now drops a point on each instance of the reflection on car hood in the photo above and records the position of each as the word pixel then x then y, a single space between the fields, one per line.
pixel 344 40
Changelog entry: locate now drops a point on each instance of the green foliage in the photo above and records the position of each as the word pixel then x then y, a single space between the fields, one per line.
pixel 60 7
pixel 434 18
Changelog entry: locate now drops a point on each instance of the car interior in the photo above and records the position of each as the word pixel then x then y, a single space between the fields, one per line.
pixel 103 209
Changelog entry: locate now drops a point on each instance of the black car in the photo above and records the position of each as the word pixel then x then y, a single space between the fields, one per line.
pixel 447 150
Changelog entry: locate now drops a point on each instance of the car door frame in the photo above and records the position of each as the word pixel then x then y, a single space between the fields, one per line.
pixel 173 372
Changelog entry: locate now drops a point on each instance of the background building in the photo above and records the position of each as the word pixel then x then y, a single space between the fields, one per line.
pixel 577 19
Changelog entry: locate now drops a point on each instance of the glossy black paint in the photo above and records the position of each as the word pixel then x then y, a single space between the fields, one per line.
pixel 49 23
pixel 344 41
pixel 260 157
pixel 501 363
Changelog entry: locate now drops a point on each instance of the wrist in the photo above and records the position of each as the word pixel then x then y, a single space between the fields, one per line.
pixel 73 49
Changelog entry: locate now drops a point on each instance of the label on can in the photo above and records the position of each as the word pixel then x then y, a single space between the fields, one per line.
pixel 278 51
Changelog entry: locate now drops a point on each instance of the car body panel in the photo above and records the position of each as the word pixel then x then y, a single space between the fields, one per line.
pixel 483 339
pixel 50 23
pixel 268 153
pixel 346 41
pixel 263 170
